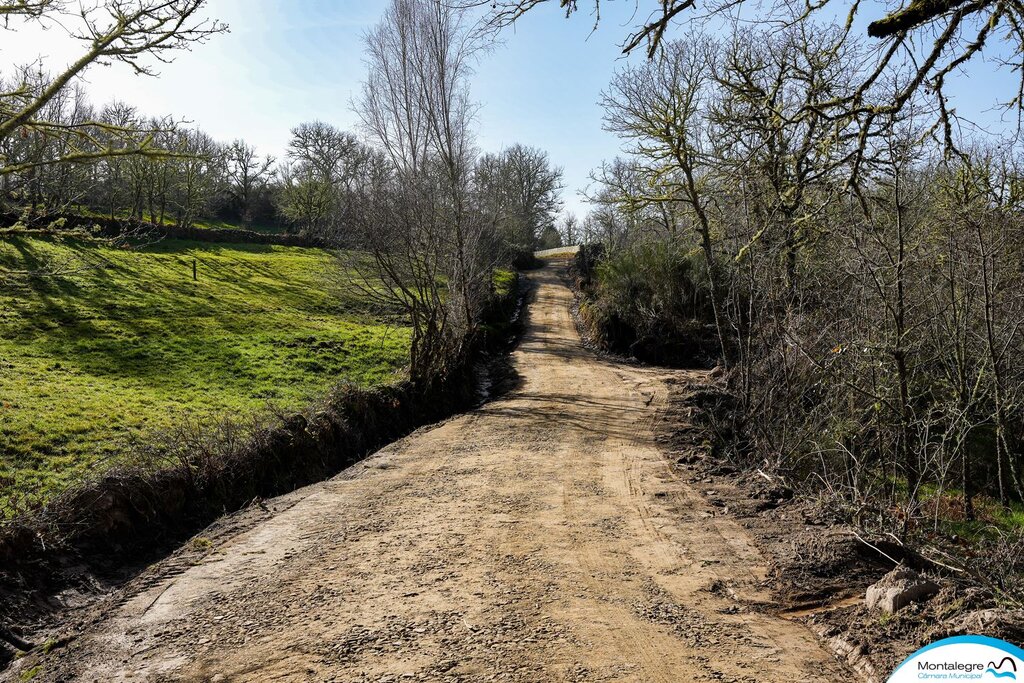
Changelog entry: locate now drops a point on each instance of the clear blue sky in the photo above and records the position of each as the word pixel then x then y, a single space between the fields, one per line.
pixel 289 61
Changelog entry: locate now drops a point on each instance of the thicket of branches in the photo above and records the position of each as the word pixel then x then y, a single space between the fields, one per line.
pixel 56 149
pixel 928 40
pixel 119 163
pixel 864 289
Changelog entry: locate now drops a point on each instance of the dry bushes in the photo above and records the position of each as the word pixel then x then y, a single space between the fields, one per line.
pixel 650 301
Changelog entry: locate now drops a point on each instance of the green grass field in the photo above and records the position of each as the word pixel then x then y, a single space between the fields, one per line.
pixel 99 355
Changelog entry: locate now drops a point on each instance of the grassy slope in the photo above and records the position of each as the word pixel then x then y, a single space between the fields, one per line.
pixel 88 359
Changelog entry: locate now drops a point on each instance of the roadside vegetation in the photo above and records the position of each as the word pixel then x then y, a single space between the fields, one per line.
pixel 793 206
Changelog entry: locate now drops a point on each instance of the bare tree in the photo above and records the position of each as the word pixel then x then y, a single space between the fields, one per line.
pixel 417 222
pixel 610 223
pixel 248 177
pixel 317 183
pixel 789 154
pixel 570 229
pixel 647 203
pixel 197 175
pixel 521 189
pixel 125 31
pixel 660 109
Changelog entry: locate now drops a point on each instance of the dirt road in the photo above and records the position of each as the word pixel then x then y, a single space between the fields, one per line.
pixel 541 537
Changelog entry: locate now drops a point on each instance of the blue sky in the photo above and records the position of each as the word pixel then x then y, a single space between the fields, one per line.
pixel 289 61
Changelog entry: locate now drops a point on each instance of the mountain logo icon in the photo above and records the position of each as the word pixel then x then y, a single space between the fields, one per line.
pixel 997 669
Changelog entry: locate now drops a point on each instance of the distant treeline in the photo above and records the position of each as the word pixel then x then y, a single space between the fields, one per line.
pixel 162 172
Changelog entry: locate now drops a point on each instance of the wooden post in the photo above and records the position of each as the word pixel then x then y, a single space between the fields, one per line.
pixel 194 274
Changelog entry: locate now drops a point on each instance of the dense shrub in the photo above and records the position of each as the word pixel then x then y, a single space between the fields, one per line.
pixel 652 301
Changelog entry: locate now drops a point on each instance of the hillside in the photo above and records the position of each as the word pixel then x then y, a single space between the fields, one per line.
pixel 123 342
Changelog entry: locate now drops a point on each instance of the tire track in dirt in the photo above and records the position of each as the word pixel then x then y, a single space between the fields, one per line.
pixel 541 537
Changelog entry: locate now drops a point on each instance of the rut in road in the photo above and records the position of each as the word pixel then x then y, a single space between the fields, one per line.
pixel 541 537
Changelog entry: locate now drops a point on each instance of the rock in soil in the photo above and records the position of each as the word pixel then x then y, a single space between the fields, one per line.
pixel 899 588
